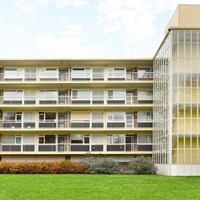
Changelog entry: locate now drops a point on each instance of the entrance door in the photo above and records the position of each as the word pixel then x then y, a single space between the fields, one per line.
pixel 129 120
pixel 61 141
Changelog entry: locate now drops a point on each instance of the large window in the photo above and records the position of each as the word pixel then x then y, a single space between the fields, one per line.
pixel 115 139
pixel 81 94
pixel 12 116
pixel 29 117
pixel 145 73
pixel 145 116
pixel 47 139
pixel 13 73
pixel 97 95
pixel 116 117
pixel 48 95
pixel 81 73
pixel 116 73
pixel 98 73
pixel 142 138
pixel 145 95
pixel 29 97
pixel 48 73
pixel 80 139
pixel 47 117
pixel 116 94
pixel 13 95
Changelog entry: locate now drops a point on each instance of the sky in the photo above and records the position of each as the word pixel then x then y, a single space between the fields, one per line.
pixel 83 28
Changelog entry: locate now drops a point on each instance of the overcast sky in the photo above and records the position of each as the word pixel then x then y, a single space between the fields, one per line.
pixel 83 28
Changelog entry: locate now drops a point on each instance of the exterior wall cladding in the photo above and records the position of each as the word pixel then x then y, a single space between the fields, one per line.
pixel 64 109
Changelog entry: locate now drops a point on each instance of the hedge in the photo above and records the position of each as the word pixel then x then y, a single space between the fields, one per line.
pixel 61 167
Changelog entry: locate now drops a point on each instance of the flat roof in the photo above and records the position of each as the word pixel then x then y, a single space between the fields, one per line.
pixel 74 62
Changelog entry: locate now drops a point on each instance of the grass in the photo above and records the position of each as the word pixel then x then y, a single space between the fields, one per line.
pixel 98 187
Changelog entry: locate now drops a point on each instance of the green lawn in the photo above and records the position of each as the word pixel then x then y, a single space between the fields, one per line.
pixel 97 187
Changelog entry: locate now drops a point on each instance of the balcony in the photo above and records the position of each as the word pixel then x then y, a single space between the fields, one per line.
pixel 129 99
pixel 75 124
pixel 72 147
pixel 66 77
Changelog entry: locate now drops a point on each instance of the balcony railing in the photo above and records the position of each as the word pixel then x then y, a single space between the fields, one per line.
pixel 53 76
pixel 69 100
pixel 75 147
pixel 87 124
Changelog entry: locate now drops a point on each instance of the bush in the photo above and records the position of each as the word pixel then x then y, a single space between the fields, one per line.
pixel 61 167
pixel 142 165
pixel 100 165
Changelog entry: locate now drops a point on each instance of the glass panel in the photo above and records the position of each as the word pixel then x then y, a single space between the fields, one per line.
pixel 8 139
pixel 81 94
pixel 97 116
pixel 50 116
pixel 144 138
pixel 9 116
pixel 18 139
pixel 76 138
pixel 116 116
pixel 49 139
pixel 97 95
pixel 29 116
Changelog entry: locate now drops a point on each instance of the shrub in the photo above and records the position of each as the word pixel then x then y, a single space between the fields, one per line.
pixel 142 165
pixel 60 167
pixel 100 165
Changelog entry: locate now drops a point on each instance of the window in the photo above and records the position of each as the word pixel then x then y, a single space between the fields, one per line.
pixel 115 139
pixel 12 95
pixel 116 117
pixel 116 73
pixel 29 117
pixel 116 94
pixel 145 73
pixel 97 95
pixel 81 94
pixel 18 139
pixel 80 139
pixel 145 117
pixel 47 139
pixel 48 73
pixel 13 73
pixel 145 95
pixel 29 95
pixel 47 117
pixel 81 73
pixel 30 73
pixel 97 117
pixel 11 116
pixel 48 95
pixel 98 74
pixel 144 138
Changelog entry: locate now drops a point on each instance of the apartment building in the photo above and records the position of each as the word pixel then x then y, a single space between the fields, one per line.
pixel 63 109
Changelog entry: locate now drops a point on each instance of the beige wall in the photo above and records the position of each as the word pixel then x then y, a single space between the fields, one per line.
pixel 185 16
pixel 80 115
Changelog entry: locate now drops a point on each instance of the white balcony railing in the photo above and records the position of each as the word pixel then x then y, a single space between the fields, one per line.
pixel 83 124
pixel 75 147
pixel 53 76
pixel 70 100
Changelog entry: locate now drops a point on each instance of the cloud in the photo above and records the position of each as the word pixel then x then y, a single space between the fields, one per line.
pixel 75 3
pixel 134 20
pixel 25 6
pixel 19 29
pixel 70 43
